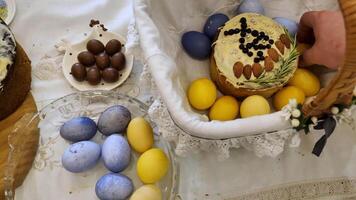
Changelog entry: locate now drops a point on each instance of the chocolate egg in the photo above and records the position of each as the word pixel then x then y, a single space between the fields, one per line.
pixel 118 61
pixel 102 61
pixel 86 58
pixel 113 46
pixel 79 72
pixel 93 76
pixel 110 75
pixel 95 46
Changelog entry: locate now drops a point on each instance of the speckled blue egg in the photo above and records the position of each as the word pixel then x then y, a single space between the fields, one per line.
pixel 116 153
pixel 250 6
pixel 213 23
pixel 196 44
pixel 291 25
pixel 78 129
pixel 114 187
pixel 114 120
pixel 81 156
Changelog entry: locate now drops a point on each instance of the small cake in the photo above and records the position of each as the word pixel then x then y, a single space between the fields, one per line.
pixel 15 73
pixel 253 54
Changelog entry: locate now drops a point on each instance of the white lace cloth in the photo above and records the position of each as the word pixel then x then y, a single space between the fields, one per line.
pixel 293 174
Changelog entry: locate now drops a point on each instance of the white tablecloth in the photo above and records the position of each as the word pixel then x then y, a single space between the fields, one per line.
pixel 296 174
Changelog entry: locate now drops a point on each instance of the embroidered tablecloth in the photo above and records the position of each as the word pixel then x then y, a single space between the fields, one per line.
pixel 295 174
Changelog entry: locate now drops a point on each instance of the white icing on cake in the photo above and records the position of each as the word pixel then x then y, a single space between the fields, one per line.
pixel 7 51
pixel 227 51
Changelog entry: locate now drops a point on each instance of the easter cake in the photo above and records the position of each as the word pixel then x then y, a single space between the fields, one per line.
pixel 253 54
pixel 15 72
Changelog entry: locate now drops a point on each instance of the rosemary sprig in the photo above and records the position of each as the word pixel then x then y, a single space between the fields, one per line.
pixel 287 67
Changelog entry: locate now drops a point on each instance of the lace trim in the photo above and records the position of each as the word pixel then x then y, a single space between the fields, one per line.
pixel 267 144
pixel 311 190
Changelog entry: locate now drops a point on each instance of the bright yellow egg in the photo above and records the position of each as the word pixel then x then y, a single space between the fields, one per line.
pixel 224 109
pixel 284 95
pixel 147 192
pixel 306 81
pixel 202 93
pixel 140 134
pixel 254 105
pixel 152 166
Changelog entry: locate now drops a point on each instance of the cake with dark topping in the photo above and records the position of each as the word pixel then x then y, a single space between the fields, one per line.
pixel 253 54
pixel 15 72
pixel 7 53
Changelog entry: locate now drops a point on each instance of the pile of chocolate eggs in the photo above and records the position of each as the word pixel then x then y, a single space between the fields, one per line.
pixel 198 44
pixel 99 62
pixel 115 152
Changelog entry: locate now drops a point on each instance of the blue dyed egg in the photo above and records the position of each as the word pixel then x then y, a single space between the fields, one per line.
pixel 81 156
pixel 196 44
pixel 213 23
pixel 114 187
pixel 78 129
pixel 291 25
pixel 114 120
pixel 116 153
pixel 250 6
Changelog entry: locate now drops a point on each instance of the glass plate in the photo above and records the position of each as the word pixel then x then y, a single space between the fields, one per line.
pixel 48 179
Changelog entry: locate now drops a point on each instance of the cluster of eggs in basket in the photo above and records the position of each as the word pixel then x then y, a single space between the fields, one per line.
pixel 99 62
pixel 202 93
pixel 115 152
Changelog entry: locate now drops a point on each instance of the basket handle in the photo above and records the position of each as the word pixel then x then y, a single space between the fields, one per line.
pixel 340 89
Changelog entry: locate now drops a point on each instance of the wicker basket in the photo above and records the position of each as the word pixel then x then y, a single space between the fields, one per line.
pixel 160 29
pixel 340 89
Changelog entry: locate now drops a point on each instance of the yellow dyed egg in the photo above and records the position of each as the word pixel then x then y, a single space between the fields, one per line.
pixel 140 134
pixel 224 109
pixel 306 81
pixel 202 93
pixel 147 192
pixel 284 95
pixel 254 105
pixel 152 166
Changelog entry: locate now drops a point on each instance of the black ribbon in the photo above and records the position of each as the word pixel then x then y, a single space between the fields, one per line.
pixel 328 124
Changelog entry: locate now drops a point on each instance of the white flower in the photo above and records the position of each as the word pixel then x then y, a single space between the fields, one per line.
pixel 296 113
pixel 287 108
pixel 293 103
pixel 295 122
pixel 287 112
pixel 335 110
pixel 314 120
